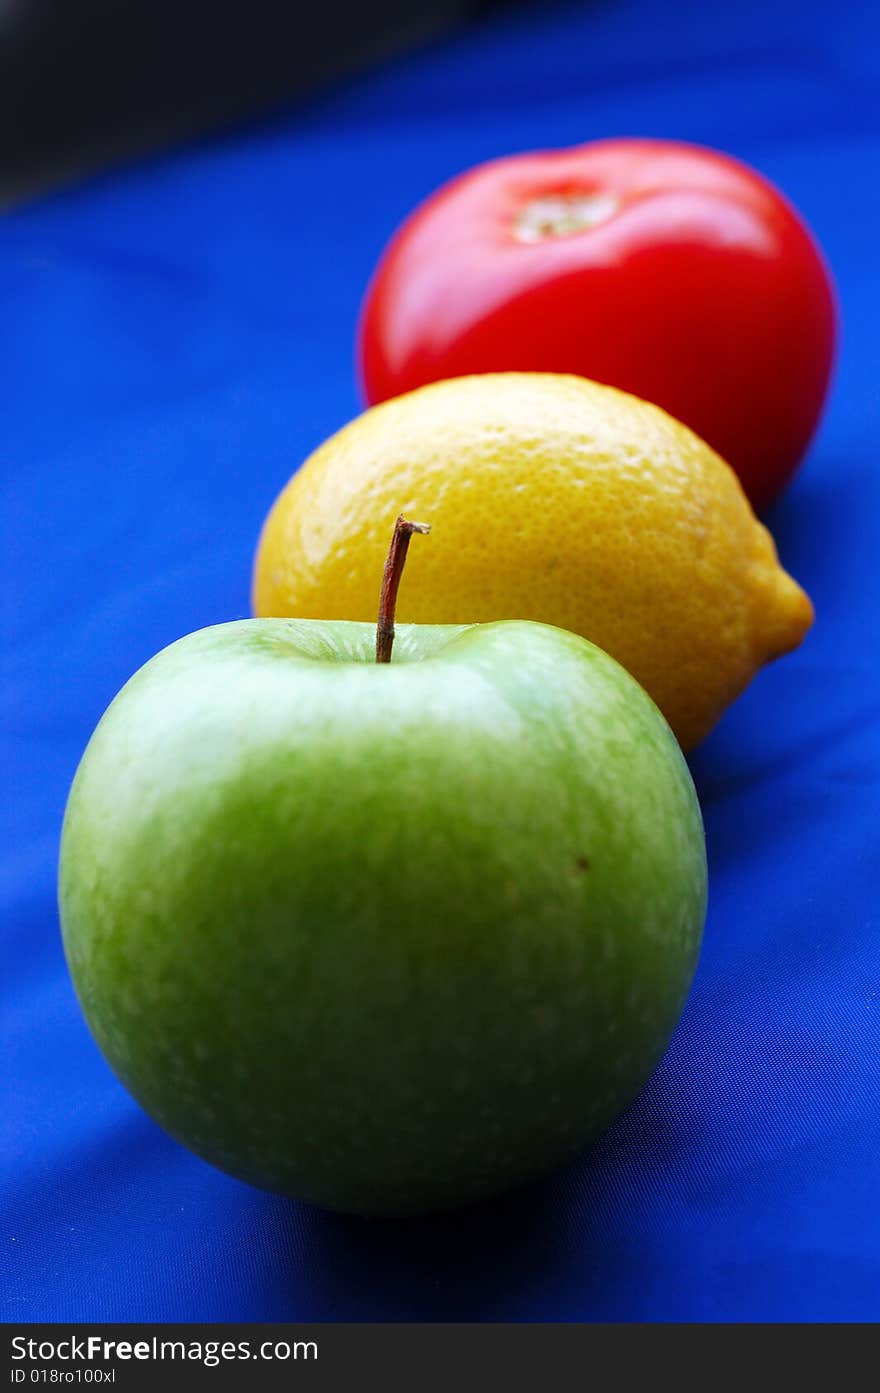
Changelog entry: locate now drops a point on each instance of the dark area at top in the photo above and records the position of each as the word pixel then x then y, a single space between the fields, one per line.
pixel 84 83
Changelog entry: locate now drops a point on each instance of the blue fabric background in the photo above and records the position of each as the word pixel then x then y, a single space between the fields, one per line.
pixel 176 338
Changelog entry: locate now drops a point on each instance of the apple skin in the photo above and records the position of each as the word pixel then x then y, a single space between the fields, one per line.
pixel 389 938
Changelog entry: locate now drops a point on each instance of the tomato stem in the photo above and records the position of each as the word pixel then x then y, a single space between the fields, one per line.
pixel 560 215
pixel 400 539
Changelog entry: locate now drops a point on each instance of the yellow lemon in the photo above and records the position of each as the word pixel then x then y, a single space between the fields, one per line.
pixel 549 498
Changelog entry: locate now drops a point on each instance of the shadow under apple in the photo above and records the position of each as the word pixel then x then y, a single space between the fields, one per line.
pixel 569 1244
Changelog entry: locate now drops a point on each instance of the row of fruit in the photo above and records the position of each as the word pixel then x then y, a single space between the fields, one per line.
pixel 388 915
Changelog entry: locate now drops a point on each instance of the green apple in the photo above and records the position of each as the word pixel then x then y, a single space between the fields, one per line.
pixel 385 936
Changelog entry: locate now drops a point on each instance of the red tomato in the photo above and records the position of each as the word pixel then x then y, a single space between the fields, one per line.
pixel 669 270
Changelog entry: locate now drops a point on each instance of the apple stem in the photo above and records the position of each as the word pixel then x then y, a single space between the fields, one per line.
pixel 400 538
